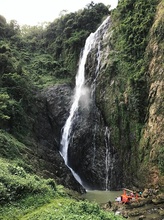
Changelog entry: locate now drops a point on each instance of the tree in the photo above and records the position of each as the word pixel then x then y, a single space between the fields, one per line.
pixel 4 98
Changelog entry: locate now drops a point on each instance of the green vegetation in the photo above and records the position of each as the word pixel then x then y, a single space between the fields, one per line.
pixel 10 147
pixel 17 183
pixel 133 21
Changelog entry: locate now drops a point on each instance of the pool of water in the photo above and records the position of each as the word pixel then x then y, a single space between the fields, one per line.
pixel 101 196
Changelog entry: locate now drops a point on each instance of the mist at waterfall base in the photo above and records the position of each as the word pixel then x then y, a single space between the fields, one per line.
pixel 83 98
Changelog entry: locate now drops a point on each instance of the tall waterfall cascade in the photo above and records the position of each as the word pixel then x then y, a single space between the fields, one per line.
pixel 92 42
pixel 107 156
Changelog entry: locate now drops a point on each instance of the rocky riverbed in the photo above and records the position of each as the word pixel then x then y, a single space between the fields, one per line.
pixel 149 206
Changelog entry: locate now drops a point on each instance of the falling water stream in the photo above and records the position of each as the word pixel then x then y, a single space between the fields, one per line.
pixel 107 156
pixel 91 42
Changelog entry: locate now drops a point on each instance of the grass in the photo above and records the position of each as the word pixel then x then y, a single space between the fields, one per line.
pixel 10 147
pixel 59 207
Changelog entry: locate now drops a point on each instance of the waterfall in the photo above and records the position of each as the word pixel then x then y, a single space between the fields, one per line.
pixel 91 42
pixel 94 145
pixel 107 155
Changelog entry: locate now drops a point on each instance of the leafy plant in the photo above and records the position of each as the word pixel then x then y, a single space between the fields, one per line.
pixel 15 183
pixel 4 97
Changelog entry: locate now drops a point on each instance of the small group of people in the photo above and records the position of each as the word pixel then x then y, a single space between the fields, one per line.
pixel 127 197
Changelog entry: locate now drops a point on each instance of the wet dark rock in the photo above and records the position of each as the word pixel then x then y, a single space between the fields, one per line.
pixel 59 100
pixel 145 193
pixel 125 214
pixel 52 109
pixel 139 203
pixel 106 205
pixel 159 199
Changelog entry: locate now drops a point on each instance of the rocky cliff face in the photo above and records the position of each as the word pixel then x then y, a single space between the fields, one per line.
pixel 152 142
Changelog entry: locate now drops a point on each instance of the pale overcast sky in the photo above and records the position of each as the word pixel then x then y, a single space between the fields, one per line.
pixel 33 12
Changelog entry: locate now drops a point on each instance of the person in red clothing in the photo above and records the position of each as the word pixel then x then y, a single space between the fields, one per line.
pixel 125 198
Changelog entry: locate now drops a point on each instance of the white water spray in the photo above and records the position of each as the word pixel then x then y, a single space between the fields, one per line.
pixel 107 155
pixel 79 91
